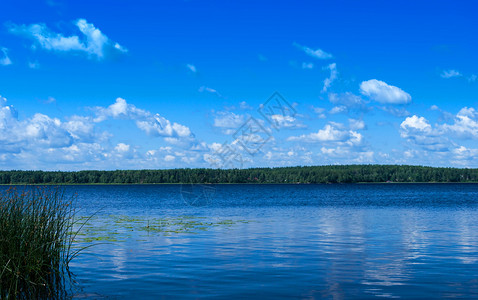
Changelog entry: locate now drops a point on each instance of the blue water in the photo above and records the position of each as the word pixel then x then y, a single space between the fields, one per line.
pixel 278 241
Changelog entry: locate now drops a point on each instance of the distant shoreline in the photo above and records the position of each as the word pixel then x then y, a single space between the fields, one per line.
pixel 333 174
pixel 248 183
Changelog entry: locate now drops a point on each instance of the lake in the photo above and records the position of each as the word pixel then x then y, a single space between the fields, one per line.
pixel 278 241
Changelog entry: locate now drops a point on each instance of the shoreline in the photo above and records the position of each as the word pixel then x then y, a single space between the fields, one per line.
pixel 227 183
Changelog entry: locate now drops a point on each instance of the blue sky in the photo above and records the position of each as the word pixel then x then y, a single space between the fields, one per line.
pixel 167 84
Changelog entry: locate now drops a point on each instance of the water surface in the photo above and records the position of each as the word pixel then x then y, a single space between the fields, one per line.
pixel 278 241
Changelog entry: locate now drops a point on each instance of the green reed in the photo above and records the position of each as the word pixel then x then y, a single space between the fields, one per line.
pixel 35 243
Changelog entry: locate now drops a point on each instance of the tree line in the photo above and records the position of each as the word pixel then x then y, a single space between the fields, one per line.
pixel 300 174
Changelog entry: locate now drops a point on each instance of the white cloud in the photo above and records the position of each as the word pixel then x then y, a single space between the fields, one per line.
pixel 39 131
pixel 169 158
pixel 290 122
pixel 117 110
pixel 383 93
pixel 338 109
pixel 337 144
pixel 121 148
pixel 93 42
pixel 318 53
pixel 463 153
pixel 416 124
pixel 151 124
pixel 333 75
pixel 465 124
pixel 472 78
pixel 191 68
pixel 5 60
pixel 43 142
pixel 123 151
pixel 418 130
pixel 450 74
pixel 82 128
pixel 441 137
pixel 43 129
pixel 331 133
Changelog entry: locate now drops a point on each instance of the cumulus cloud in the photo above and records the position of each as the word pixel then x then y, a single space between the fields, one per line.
pixel 5 60
pixel 338 143
pixel 465 124
pixel 48 131
pixel 151 124
pixel 40 130
pixel 333 75
pixel 317 53
pixel 450 74
pixel 43 142
pixel 381 92
pixel 92 42
pixel 464 155
pixel 416 123
pixel 331 133
pixel 121 148
pixel 119 110
pixel 419 131
pixel 441 137
pixel 82 128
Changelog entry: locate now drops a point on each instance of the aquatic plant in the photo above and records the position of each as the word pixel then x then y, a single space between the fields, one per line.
pixel 35 242
pixel 120 228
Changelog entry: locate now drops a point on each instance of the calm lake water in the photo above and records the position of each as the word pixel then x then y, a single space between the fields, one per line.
pixel 278 241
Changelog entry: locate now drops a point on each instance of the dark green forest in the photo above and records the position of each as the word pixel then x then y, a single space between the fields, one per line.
pixel 311 174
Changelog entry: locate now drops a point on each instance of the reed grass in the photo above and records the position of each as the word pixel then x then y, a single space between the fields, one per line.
pixel 35 243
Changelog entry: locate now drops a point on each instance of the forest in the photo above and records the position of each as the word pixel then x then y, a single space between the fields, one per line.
pixel 287 175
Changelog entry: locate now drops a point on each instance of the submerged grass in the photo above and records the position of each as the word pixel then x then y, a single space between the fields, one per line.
pixel 35 243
